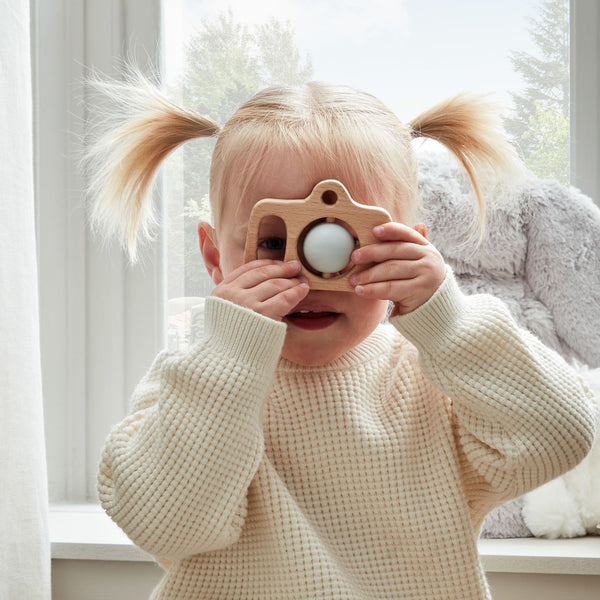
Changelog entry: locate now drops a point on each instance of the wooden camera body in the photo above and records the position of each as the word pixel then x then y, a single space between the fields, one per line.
pixel 323 252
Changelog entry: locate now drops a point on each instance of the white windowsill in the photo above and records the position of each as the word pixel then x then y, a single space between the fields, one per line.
pixel 84 532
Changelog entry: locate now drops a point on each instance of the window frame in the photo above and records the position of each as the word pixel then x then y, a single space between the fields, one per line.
pixel 585 96
pixel 102 321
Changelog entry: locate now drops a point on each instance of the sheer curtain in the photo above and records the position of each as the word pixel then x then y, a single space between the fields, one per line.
pixel 24 544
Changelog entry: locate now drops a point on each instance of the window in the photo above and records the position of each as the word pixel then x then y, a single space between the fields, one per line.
pixel 217 54
pixel 103 321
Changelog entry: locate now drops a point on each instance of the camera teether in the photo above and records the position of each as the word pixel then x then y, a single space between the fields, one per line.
pixel 322 230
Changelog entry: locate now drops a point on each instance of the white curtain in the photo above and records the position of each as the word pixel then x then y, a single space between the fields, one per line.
pixel 24 544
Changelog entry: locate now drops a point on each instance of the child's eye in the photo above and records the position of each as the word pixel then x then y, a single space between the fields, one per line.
pixel 273 248
pixel 273 244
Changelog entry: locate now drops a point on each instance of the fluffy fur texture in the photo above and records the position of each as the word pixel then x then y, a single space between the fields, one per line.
pixel 540 253
pixel 569 506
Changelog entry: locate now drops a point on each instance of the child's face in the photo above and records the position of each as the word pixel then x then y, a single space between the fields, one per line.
pixel 335 321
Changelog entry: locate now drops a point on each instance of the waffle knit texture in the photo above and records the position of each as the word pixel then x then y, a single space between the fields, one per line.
pixel 250 477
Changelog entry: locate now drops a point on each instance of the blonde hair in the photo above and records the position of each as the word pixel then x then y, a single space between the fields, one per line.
pixel 122 164
pixel 354 136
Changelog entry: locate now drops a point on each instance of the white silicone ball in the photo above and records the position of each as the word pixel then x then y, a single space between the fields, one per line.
pixel 327 247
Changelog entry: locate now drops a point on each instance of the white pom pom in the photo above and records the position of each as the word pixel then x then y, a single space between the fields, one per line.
pixel 327 247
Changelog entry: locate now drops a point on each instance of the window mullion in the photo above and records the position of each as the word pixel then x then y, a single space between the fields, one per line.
pixel 100 320
pixel 125 303
pixel 585 96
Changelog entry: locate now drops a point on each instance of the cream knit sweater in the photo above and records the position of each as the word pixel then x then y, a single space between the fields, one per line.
pixel 254 478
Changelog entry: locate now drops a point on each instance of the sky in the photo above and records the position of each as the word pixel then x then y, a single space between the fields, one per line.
pixel 409 53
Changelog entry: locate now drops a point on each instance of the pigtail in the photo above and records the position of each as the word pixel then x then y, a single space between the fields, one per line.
pixel 469 126
pixel 122 164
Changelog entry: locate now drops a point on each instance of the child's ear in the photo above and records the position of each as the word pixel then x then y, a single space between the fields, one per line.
pixel 210 251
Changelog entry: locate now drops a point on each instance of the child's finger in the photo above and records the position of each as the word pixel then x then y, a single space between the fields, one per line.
pixel 270 288
pixel 409 244
pixel 255 272
pixel 406 292
pixel 399 232
pixel 375 253
pixel 273 298
pixel 422 229
pixel 279 305
pixel 388 270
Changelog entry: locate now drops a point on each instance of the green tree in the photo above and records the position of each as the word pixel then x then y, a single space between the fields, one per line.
pixel 279 58
pixel 226 63
pixel 548 136
pixel 541 114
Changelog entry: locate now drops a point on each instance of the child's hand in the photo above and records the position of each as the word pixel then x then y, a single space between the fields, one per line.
pixel 407 270
pixel 269 287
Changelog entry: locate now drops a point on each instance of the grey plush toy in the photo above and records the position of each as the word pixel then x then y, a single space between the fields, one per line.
pixel 540 254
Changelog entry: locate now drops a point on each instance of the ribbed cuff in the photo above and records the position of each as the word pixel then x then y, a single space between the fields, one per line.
pixel 245 335
pixel 435 323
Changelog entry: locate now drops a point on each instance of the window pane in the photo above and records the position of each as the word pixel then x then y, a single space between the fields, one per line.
pixel 411 54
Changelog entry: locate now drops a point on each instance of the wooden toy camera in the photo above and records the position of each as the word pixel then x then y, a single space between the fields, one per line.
pixel 321 230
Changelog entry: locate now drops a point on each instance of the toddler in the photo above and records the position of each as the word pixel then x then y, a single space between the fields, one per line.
pixel 303 449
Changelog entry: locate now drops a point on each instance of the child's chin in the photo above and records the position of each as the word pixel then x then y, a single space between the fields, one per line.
pixel 302 354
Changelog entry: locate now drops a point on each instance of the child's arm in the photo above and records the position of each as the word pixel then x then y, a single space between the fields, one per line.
pixel 523 415
pixel 175 473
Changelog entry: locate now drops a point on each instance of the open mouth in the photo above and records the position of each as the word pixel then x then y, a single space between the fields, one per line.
pixel 312 319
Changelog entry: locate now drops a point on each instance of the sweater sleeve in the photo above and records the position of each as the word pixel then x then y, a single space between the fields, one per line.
pixel 174 474
pixel 522 416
